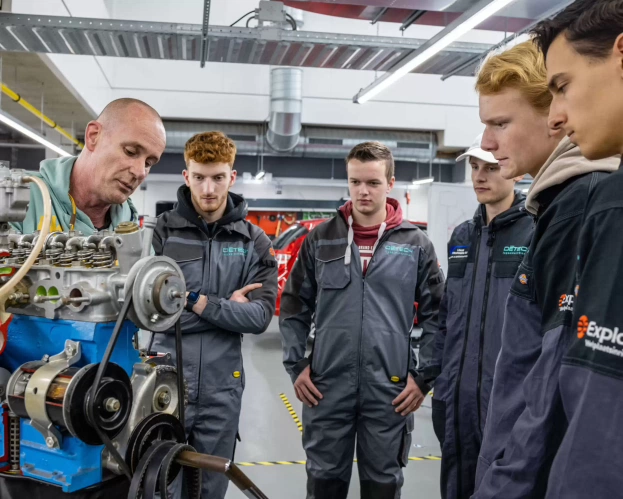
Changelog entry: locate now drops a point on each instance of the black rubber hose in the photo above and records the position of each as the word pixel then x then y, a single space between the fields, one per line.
pixel 236 22
pixel 292 22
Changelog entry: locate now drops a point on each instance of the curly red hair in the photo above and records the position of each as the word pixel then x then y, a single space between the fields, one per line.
pixel 210 147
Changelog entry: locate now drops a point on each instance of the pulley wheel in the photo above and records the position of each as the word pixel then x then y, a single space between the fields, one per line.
pixel 113 403
pixel 154 428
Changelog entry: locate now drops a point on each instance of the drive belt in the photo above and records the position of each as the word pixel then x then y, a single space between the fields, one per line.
pixel 158 468
pixel 191 476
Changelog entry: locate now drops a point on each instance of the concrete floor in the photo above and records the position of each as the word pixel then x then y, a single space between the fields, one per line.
pixel 269 433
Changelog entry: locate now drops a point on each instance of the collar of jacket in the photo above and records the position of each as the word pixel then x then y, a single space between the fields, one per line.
pixel 517 210
pixel 343 225
pixel 564 165
pixel 57 175
pixel 185 215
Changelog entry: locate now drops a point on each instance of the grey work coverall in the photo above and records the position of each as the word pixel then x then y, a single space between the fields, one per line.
pixel 216 261
pixel 362 352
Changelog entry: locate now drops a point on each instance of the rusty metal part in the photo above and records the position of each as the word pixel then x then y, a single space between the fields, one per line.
pixel 225 466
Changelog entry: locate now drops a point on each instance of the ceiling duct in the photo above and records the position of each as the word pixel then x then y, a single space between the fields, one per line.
pixel 286 103
pixel 314 141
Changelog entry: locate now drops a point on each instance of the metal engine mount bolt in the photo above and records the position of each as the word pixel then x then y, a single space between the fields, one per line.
pixel 164 399
pixel 49 442
pixel 112 405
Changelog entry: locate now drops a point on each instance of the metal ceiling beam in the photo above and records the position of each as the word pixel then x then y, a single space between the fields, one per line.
pixel 476 59
pixel 378 17
pixel 168 41
pixel 414 16
pixel 205 40
pixel 426 54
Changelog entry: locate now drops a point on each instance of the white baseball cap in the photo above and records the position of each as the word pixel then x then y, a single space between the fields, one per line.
pixel 478 152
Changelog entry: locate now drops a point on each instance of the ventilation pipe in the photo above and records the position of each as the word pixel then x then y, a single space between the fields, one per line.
pixel 286 102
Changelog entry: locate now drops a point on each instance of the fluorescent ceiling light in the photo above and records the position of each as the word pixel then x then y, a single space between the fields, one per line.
pixel 455 30
pixel 23 129
pixel 260 175
pixel 421 181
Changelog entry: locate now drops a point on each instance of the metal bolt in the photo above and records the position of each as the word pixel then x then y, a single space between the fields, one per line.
pixel 175 293
pixel 164 398
pixel 45 358
pixel 154 318
pixel 112 404
pixel 70 350
pixel 49 442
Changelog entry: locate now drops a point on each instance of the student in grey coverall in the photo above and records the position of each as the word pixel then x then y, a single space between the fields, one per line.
pixel 359 275
pixel 229 266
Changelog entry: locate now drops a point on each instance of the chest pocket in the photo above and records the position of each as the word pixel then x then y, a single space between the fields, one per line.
pixel 190 259
pixel 457 269
pixel 332 274
pixel 506 269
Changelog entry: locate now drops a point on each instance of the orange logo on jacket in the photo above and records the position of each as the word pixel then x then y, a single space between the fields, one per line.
pixel 523 279
pixel 582 326
pixel 565 304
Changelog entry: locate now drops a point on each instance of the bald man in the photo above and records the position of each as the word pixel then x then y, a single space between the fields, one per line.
pixel 92 191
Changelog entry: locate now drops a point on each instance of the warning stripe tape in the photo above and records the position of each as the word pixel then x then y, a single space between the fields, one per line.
pixel 292 413
pixel 292 463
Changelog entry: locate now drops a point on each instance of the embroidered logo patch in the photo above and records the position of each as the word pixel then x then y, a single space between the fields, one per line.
pixel 458 252
pixel 565 304
pixel 515 250
pixel 392 249
pixel 234 251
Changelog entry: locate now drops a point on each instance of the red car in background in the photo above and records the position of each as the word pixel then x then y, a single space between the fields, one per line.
pixel 288 245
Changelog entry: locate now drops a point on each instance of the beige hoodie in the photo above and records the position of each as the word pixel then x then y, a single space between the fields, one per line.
pixel 564 163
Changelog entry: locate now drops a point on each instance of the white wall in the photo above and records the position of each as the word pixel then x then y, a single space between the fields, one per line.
pixel 450 205
pixel 240 92
pixel 166 190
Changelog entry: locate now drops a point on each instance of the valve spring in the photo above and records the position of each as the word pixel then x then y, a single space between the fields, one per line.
pixel 28 251
pixel 20 254
pixel 66 260
pixel 85 257
pixel 53 255
pixel 103 260
pixel 14 447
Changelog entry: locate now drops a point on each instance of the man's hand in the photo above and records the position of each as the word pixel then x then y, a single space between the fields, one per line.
pixel 410 399
pixel 240 295
pixel 305 390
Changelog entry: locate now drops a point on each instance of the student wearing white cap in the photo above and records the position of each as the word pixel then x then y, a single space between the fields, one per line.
pixel 483 256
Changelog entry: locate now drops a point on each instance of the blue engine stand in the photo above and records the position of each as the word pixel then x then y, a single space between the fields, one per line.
pixel 75 465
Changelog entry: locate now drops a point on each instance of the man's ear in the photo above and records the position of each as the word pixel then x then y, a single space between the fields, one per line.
pixel 185 173
pixel 390 185
pixel 234 175
pixel 618 51
pixel 92 134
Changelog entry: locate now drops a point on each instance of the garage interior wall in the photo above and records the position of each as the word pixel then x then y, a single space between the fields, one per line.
pixel 153 191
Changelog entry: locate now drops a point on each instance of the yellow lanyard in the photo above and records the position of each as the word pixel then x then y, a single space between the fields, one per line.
pixel 72 221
